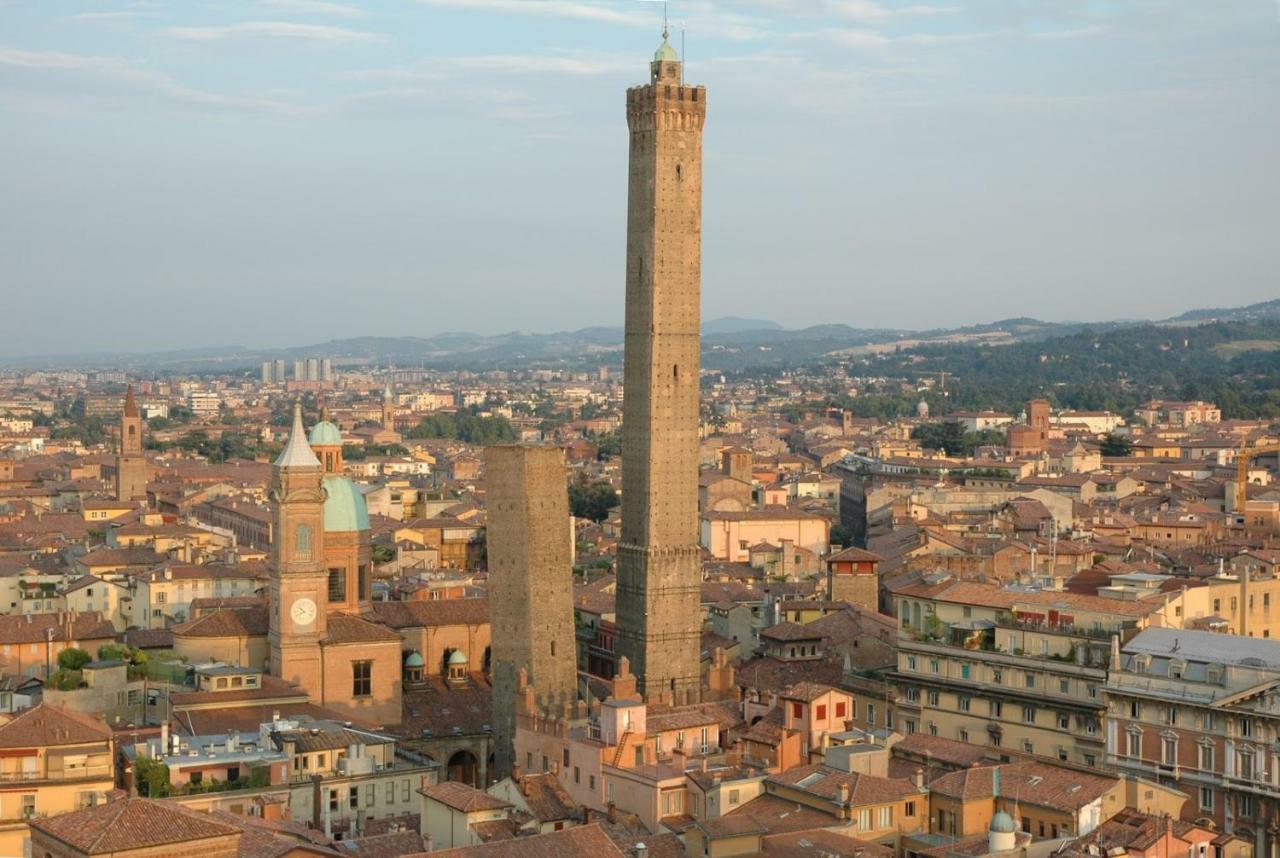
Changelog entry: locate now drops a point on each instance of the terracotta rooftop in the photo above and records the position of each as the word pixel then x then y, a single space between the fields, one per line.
pixel 583 841
pixel 47 725
pixel 130 824
pixel 462 797
pixel 443 612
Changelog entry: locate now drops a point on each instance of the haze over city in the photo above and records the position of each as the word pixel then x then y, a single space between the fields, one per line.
pixel 207 174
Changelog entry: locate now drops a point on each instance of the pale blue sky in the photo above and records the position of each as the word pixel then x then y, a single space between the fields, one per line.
pixel 281 172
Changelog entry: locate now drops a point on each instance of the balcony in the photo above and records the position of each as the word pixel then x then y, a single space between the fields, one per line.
pixel 58 776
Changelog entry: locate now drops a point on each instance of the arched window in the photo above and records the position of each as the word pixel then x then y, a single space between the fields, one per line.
pixel 302 542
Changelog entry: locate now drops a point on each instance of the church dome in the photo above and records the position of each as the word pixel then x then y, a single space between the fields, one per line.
pixel 415 660
pixel 1002 823
pixel 665 53
pixel 325 434
pixel 344 506
pixel 457 657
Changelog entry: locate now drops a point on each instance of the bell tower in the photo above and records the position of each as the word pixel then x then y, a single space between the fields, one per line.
pixel 131 464
pixel 297 615
pixel 388 409
pixel 659 574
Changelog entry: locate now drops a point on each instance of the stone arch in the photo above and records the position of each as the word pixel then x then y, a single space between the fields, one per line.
pixel 464 767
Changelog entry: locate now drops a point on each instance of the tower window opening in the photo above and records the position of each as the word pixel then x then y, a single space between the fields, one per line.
pixel 675 371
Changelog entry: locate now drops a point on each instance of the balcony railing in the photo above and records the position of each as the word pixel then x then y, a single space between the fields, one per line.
pixel 82 773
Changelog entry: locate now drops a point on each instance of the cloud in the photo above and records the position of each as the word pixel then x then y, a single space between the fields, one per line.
pixel 441 68
pixel 48 78
pixel 315 7
pixel 580 10
pixel 285 30
pixel 94 17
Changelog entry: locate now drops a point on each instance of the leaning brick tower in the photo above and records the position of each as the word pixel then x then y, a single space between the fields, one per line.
pixel 659 575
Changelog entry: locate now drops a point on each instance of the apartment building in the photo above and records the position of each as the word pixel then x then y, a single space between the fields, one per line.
pixel 1016 669
pixel 1201 711
pixel 52 761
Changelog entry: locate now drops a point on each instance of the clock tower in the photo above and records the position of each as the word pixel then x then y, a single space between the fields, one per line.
pixel 298 576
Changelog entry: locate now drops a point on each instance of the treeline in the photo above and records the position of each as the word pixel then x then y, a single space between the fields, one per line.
pixel 465 426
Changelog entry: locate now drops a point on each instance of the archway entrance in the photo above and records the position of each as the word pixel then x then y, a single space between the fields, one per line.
pixel 465 768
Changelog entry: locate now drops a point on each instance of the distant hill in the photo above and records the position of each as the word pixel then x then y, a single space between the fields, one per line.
pixel 1251 313
pixel 737 325
pixel 729 343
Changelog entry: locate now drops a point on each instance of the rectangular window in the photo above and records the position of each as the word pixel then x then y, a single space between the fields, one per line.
pixel 1169 750
pixel 1206 798
pixel 822 712
pixel 353 797
pixel 361 678
pixel 933 698
pixel 1133 745
pixel 370 794
pixel 840 709
pixel 733 797
pixel 913 694
pixel 391 793
pixel 871 714
pixel 797 710
pixel 1064 722
pixel 362 572
pixel 1206 758
pixel 337 585
pixel 997 708
pixel 404 790
pixel 1064 686
pixel 997 676
pixel 1030 679
pixel 911 662
pixel 964 700
pixel 1029 714
pixel 909 809
pixel 886 817
pixel 566 758
pixel 864 819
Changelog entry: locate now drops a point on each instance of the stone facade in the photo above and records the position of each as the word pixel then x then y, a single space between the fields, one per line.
pixel 530 582
pixel 131 464
pixel 658 557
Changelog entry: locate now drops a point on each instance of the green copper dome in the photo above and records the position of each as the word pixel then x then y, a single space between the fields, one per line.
pixel 344 506
pixel 665 53
pixel 1002 823
pixel 325 434
pixel 457 657
pixel 415 660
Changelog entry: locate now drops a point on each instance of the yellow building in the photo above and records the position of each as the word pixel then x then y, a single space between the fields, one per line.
pixel 52 761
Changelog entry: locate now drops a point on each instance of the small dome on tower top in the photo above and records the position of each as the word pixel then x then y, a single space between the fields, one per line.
pixel 1002 823
pixel 665 53
pixel 325 434
pixel 415 659
pixel 457 657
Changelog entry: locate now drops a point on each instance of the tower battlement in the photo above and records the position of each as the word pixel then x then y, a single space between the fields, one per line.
pixel 664 107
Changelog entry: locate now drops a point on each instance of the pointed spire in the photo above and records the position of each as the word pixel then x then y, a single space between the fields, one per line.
pixel 297 453
pixel 130 404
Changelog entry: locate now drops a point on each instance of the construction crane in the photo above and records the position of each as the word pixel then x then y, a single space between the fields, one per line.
pixel 1243 457
pixel 942 377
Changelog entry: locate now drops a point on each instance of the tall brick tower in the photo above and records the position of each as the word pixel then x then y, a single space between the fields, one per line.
pixel 131 465
pixel 530 583
pixel 659 573
pixel 297 615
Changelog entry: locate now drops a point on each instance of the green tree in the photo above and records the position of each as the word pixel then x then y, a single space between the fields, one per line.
pixel 1116 445
pixel 73 658
pixel 151 777
pixel 592 500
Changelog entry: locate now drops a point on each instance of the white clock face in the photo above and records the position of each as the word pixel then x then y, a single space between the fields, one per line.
pixel 303 611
